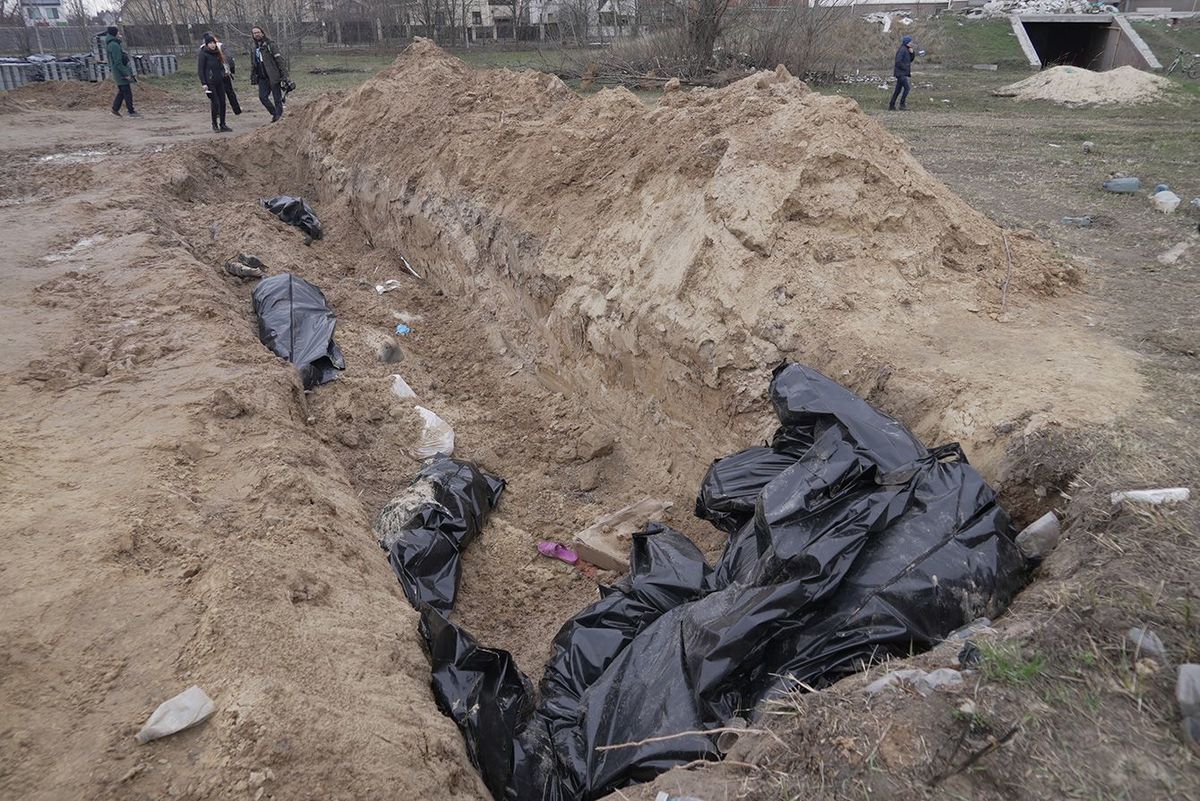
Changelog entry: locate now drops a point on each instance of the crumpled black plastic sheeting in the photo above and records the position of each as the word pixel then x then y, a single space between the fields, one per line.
pixel 294 211
pixel 425 528
pixel 866 545
pixel 296 323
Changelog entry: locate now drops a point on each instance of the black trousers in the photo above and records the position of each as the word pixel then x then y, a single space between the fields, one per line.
pixel 124 95
pixel 232 95
pixel 216 102
pixel 902 82
pixel 267 92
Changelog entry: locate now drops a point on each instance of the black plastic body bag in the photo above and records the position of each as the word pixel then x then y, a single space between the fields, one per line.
pixel 296 323
pixel 850 541
pixel 294 211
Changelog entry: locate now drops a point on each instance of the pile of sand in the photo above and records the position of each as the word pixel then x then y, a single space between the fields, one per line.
pixel 681 248
pixel 1075 86
pixel 58 95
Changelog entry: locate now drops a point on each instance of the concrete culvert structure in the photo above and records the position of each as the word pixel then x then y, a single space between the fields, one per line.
pixel 1090 41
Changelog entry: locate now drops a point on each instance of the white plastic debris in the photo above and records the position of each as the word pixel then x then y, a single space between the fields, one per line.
pixel 437 436
pixel 980 625
pixel 185 710
pixel 401 388
pixel 1153 497
pixel 1040 537
pixel 1166 201
pixel 923 682
pixel 388 286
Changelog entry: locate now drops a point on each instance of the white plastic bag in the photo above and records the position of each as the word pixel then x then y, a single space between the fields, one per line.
pixel 437 437
pixel 401 388
pixel 187 709
pixel 1166 201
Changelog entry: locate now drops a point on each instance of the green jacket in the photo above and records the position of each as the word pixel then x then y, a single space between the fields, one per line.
pixel 122 73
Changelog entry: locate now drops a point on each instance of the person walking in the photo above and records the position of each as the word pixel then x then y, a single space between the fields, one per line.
pixel 268 71
pixel 122 72
pixel 903 73
pixel 213 71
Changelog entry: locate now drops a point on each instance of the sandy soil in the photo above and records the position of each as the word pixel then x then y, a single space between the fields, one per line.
pixel 1075 86
pixel 597 273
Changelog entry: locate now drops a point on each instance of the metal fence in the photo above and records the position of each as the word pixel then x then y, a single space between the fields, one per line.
pixel 332 33
pixel 14 73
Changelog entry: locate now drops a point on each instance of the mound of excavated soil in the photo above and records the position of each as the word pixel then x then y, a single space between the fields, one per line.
pixel 1074 86
pixel 606 286
pixel 685 248
pixel 56 95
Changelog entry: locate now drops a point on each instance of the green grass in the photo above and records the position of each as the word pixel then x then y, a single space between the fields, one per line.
pixel 1006 664
pixel 968 42
pixel 1165 40
pixel 353 68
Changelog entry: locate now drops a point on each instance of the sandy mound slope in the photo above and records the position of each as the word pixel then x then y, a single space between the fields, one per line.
pixel 1074 86
pixel 56 95
pixel 683 249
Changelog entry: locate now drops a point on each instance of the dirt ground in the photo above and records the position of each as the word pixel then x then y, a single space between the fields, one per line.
pixel 606 287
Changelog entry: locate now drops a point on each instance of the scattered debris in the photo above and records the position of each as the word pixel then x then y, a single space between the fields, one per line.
pixel 662 796
pixel 1078 222
pixel 556 550
pixel 388 286
pixel 1007 8
pixel 246 266
pixel 1187 693
pixel 1040 537
pixel 985 67
pixel 970 656
pixel 1153 497
pixel 982 625
pixel 402 329
pixel 1125 185
pixel 1165 201
pixel 409 268
pixel 921 681
pixel 1144 642
pixel 185 710
pixel 295 211
pixel 437 438
pixel 605 543
pixel 400 387
pixel 1173 254
pixel 296 323
pixel 1076 86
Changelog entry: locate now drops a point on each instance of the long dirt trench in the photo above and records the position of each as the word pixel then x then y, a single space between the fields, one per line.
pixel 607 286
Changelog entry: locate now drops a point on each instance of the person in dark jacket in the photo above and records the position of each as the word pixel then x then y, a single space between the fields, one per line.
pixel 214 71
pixel 268 71
pixel 230 92
pixel 903 73
pixel 122 72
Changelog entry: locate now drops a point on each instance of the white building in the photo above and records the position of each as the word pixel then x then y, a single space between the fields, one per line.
pixel 43 13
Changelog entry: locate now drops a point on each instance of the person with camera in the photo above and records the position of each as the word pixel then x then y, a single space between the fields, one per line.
pixel 269 72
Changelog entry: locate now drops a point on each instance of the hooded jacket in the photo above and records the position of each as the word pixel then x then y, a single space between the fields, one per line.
pixel 904 60
pixel 267 63
pixel 122 73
